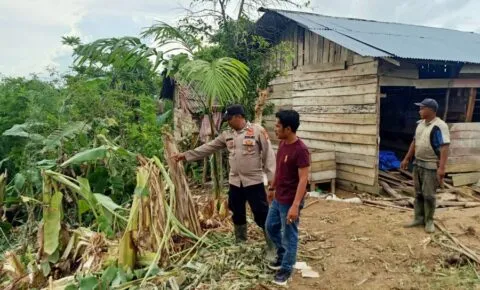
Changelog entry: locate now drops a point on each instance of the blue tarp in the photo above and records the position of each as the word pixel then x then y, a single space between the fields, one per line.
pixel 388 161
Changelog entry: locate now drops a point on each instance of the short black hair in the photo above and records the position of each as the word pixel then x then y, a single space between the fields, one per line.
pixel 289 118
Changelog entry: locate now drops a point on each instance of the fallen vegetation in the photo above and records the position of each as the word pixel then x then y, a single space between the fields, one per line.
pixel 161 243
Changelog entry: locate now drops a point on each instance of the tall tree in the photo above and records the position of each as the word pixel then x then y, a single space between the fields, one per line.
pixel 208 12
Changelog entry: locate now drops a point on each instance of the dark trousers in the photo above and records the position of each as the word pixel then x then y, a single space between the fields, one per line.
pixel 257 199
pixel 426 184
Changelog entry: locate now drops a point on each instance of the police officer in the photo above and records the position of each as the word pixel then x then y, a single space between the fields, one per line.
pixel 250 156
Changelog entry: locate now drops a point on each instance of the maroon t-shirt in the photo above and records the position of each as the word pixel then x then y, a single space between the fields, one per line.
pixel 290 157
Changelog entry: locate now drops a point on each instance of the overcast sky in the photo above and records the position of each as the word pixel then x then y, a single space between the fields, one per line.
pixel 31 30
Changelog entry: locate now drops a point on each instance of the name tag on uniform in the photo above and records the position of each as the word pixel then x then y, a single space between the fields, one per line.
pixel 248 142
pixel 230 143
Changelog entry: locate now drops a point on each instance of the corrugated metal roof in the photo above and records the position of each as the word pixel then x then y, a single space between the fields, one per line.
pixel 384 39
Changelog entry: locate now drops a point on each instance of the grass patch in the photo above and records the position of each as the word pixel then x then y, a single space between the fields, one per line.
pixel 463 277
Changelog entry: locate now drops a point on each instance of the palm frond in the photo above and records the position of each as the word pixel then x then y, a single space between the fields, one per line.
pixel 222 80
pixel 164 34
pixel 125 50
pixel 71 40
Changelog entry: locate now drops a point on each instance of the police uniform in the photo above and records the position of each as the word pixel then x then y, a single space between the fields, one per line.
pixel 250 156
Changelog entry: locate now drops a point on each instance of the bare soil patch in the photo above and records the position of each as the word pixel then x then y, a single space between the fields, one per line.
pixel 358 247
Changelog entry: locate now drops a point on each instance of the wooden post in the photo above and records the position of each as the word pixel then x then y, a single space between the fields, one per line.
pixel 295 47
pixel 306 47
pixel 205 165
pixel 447 100
pixel 300 43
pixel 262 99
pixel 471 104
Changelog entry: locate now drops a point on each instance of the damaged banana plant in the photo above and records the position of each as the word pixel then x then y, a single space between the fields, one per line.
pixel 106 212
pixel 159 225
pixel 161 231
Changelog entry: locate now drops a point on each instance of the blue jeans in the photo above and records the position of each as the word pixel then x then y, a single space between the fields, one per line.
pixel 283 235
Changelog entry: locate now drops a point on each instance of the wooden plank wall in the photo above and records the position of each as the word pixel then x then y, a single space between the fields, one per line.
pixel 464 155
pixel 338 104
pixel 308 48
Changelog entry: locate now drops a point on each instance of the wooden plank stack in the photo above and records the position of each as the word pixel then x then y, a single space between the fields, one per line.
pixel 463 165
pixel 323 168
pixel 399 186
pixel 400 181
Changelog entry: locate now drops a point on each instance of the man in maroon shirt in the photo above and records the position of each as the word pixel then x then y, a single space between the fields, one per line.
pixel 286 194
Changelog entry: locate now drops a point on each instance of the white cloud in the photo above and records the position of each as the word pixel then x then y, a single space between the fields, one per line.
pixel 34 28
pixel 455 14
pixel 31 30
pixel 46 12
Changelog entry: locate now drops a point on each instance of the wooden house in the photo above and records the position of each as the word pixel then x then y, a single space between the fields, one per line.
pixel 354 83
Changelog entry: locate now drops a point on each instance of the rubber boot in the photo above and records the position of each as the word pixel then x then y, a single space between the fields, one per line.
pixel 240 233
pixel 418 219
pixel 430 205
pixel 271 250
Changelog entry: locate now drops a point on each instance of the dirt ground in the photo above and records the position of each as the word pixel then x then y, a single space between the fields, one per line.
pixel 359 247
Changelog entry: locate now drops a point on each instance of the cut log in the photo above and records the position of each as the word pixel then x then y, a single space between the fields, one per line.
pixel 391 182
pixel 409 190
pixel 395 178
pixel 462 192
pixel 389 190
pixel 406 173
pixel 384 204
pixel 407 203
